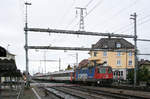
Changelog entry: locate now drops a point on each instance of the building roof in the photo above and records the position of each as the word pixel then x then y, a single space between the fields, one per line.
pixel 83 63
pixel 144 62
pixel 110 43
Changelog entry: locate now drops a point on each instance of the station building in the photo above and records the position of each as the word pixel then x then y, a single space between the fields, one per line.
pixel 117 53
pixel 8 68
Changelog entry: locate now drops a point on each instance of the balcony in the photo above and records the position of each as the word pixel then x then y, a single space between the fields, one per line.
pixel 94 58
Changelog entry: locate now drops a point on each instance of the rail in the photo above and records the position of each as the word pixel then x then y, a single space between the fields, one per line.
pixel 20 94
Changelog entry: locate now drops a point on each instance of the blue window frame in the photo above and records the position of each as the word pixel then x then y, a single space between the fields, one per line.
pixel 119 62
pixel 130 62
pixel 104 53
pixel 130 53
pixel 118 53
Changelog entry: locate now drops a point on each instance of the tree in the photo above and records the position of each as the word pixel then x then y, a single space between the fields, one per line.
pixel 142 75
pixel 69 67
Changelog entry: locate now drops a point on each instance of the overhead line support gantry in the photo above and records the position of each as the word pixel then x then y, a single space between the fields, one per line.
pixel 77 32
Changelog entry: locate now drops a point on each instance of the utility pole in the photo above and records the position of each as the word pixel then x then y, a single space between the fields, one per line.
pixel 133 17
pixel 59 63
pixel 77 59
pixel 45 61
pixel 26 44
pixel 81 25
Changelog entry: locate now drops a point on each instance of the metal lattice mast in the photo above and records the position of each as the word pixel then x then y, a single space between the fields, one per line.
pixel 26 44
pixel 81 25
pixel 133 17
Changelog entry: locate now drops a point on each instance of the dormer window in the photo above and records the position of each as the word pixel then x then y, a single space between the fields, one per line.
pixel 118 45
pixel 105 46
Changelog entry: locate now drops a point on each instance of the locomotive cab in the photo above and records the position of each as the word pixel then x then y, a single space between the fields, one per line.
pixel 103 74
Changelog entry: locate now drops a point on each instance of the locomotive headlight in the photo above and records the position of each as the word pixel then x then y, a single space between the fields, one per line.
pixel 98 82
pixel 106 76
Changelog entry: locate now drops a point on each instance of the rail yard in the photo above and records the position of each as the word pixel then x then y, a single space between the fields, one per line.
pixel 74 49
pixel 74 91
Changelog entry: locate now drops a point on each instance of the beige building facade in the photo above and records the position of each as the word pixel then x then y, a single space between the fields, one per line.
pixel 117 53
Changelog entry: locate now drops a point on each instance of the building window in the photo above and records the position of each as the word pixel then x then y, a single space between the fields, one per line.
pixel 118 73
pixel 130 53
pixel 118 45
pixel 95 53
pixel 118 53
pixel 130 62
pixel 114 73
pixel 118 63
pixel 121 73
pixel 105 53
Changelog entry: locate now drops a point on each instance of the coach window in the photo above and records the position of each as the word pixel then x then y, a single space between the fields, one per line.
pixel 80 71
pixel 84 71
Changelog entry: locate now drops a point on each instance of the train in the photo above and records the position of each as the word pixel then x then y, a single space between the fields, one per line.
pixel 98 74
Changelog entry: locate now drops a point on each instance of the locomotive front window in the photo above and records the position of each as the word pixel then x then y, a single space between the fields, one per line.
pixel 102 70
pixel 109 70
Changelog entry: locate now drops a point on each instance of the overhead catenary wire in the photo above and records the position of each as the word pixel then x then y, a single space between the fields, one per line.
pixel 128 27
pixel 88 3
pixel 119 12
pixel 100 2
pixel 68 11
pixel 145 21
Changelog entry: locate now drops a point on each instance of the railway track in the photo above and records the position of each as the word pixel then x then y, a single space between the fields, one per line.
pixel 63 94
pixel 115 94
pixel 78 92
pixel 90 92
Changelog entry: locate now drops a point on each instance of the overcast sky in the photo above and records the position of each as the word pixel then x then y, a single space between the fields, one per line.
pixel 102 16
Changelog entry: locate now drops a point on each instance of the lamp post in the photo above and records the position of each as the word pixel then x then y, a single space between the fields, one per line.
pixel 76 55
pixel 8 47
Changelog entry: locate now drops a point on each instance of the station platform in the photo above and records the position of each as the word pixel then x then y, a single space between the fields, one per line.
pixel 29 94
